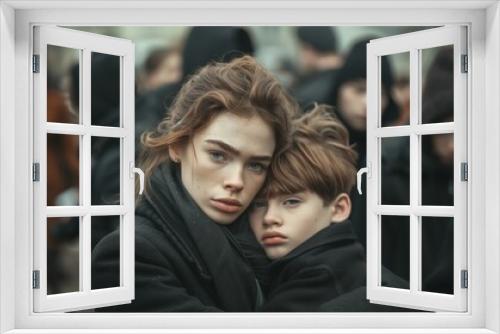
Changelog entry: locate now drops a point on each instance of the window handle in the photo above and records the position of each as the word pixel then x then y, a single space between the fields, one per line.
pixel 135 170
pixel 360 174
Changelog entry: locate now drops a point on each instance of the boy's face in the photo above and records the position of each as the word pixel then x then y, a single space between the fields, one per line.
pixel 284 222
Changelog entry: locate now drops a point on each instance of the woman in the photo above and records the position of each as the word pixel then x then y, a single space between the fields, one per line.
pixel 204 164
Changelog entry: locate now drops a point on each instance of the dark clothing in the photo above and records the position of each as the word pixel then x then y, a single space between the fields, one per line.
pixel 325 267
pixel 315 87
pixel 184 261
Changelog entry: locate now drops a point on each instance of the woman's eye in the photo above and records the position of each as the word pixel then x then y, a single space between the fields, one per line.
pixel 257 167
pixel 217 156
pixel 291 202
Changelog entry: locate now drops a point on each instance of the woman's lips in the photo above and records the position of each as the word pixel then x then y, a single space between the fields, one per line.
pixel 226 205
pixel 273 239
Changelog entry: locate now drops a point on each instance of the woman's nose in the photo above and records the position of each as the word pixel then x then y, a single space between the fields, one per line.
pixel 234 179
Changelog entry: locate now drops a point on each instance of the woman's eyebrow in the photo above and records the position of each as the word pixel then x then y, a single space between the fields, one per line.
pixel 235 151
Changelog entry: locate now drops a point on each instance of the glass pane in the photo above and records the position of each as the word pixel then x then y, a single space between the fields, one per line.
pixel 437 84
pixel 395 170
pixel 107 270
pixel 63 84
pixel 395 251
pixel 106 171
pixel 395 92
pixel 437 169
pixel 63 255
pixel 105 90
pixel 437 254
pixel 63 167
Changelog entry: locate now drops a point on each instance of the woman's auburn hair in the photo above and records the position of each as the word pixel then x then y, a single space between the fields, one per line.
pixel 241 87
pixel 319 158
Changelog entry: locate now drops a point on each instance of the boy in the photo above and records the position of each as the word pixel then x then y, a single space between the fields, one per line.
pixel 301 222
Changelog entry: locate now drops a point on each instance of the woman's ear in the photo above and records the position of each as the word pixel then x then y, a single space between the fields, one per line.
pixel 341 208
pixel 174 153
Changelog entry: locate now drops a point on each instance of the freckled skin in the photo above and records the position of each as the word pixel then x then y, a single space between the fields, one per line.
pixel 210 171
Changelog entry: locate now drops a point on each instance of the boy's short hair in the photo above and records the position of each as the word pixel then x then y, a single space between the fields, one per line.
pixel 319 158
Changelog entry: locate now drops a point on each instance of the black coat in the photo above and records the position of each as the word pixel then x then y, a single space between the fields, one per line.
pixel 315 87
pixel 312 277
pixel 184 262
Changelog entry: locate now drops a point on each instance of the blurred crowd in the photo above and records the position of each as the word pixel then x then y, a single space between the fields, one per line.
pixel 322 74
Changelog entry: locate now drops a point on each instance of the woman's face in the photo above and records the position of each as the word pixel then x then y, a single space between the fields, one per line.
pixel 284 222
pixel 225 164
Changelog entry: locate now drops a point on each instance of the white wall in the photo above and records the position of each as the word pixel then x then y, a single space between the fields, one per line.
pixel 7 175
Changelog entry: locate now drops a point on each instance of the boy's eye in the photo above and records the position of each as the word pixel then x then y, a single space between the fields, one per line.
pixel 257 167
pixel 217 156
pixel 291 202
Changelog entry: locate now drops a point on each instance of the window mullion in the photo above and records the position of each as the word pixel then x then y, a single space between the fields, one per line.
pixel 85 225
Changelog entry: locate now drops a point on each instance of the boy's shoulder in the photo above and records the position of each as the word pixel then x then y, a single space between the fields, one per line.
pixel 333 247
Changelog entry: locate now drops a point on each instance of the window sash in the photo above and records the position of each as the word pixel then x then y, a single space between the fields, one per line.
pixel 414 298
pixel 85 44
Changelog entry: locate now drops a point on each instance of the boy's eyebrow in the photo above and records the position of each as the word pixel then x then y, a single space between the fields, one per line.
pixel 235 151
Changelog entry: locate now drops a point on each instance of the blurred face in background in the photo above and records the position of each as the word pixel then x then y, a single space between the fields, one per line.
pixel 352 103
pixel 443 148
pixel 225 164
pixel 168 71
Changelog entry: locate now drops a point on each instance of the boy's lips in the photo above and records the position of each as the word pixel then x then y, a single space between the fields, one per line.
pixel 226 205
pixel 273 239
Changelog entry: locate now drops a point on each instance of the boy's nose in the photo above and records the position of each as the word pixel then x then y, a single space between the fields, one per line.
pixel 272 218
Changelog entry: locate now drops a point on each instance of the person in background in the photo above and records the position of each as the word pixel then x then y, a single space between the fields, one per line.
pixel 348 98
pixel 203 166
pixel 163 66
pixel 301 220
pixel 203 45
pixel 319 62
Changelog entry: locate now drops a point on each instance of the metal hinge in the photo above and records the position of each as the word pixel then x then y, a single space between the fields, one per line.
pixel 36 279
pixel 464 171
pixel 464 279
pixel 36 63
pixel 36 172
pixel 465 64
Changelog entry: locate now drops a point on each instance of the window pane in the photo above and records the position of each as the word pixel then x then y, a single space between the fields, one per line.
pixel 395 178
pixel 437 169
pixel 437 84
pixel 63 255
pixel 63 86
pixel 437 254
pixel 110 275
pixel 105 89
pixel 395 92
pixel 396 251
pixel 63 168
pixel 106 176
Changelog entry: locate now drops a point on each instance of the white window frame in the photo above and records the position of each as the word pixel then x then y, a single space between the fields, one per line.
pixel 413 44
pixel 84 44
pixel 16 19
